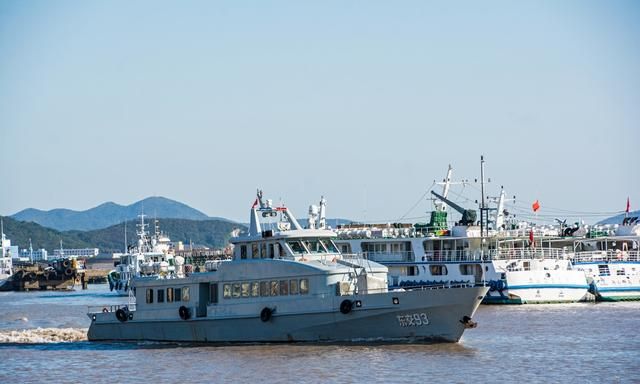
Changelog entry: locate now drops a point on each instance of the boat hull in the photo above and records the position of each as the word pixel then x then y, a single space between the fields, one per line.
pixel 430 315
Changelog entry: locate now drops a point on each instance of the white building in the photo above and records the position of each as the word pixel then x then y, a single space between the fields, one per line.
pixel 34 255
pixel 75 253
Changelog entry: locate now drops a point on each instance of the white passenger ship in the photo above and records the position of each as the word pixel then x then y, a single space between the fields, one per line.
pixel 152 255
pixel 611 263
pixel 6 262
pixel 517 264
pixel 287 284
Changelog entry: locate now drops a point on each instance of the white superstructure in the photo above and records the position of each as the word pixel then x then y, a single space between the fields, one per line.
pixel 152 255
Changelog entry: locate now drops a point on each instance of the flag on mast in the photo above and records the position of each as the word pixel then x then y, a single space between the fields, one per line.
pixel 628 205
pixel 535 206
pixel 255 204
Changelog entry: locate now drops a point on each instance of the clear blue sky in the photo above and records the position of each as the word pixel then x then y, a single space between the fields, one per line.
pixel 365 102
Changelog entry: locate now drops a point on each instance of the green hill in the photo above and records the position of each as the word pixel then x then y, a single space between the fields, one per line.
pixel 210 233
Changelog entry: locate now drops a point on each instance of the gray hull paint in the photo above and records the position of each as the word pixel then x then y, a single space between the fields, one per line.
pixel 378 319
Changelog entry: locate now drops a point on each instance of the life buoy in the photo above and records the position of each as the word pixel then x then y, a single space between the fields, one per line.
pixel 66 263
pixel 265 314
pixel 68 272
pixel 105 310
pixel 121 315
pixel 345 306
pixel 184 312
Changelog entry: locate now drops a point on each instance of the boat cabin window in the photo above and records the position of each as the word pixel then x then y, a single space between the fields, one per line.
pixel 149 295
pixel 271 252
pixel 264 288
pixel 281 251
pixel 304 286
pixel 314 246
pixel 620 272
pixel 293 287
pixel 169 295
pixel 274 287
pixel 243 251
pixel 245 289
pixel 254 251
pixel 284 287
pixel 226 291
pixel 185 294
pixel 213 293
pixel 160 295
pixel 467 269
pixel 438 270
pixel 178 294
pixel 296 246
pixel 345 248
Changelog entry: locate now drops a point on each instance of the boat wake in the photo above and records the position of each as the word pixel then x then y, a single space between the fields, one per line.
pixel 43 335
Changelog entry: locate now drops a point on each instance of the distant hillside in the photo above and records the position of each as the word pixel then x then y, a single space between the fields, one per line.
pixel 617 219
pixel 212 233
pixel 108 214
pixel 20 232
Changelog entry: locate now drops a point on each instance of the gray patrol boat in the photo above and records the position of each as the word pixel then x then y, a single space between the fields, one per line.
pixel 285 284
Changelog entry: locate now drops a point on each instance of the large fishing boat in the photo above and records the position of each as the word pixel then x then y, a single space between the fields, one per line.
pixel 152 255
pixel 512 258
pixel 286 284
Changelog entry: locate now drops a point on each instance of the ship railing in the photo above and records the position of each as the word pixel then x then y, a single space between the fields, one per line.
pixel 531 253
pixel 456 255
pixel 110 308
pixel 434 286
pixel 611 255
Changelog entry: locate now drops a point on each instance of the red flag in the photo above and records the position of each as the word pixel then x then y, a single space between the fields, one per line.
pixel 628 206
pixel 255 204
pixel 535 206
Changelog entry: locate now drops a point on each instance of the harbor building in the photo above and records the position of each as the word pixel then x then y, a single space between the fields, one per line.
pixel 75 253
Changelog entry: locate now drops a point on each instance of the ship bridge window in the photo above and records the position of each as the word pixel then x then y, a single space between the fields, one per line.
pixel 178 294
pixel 620 272
pixel 243 251
pixel 149 296
pixel 160 295
pixel 271 252
pixel 226 291
pixel 263 250
pixel 254 251
pixel 314 246
pixel 236 290
pixel 296 246
pixel 329 245
pixel 438 270
pixel 255 289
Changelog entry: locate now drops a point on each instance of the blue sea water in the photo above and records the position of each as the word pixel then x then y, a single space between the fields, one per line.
pixel 43 338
